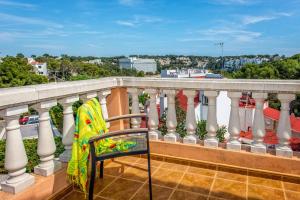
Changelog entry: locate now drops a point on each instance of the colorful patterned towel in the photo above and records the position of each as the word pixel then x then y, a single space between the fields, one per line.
pixel 89 123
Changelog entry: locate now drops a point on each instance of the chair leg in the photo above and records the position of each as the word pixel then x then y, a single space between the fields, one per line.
pixel 149 175
pixel 92 181
pixel 101 169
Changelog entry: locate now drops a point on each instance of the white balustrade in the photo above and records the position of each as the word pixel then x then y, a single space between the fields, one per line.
pixel 154 134
pixel 88 96
pixel 191 124
pixel 259 131
pixel 234 122
pixel 46 144
pixel 68 126
pixel 284 126
pixel 102 99
pixel 211 124
pixel 171 123
pixel 15 155
pixel 14 101
pixel 135 109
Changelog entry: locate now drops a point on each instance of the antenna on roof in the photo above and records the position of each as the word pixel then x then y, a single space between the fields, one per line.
pixel 221 45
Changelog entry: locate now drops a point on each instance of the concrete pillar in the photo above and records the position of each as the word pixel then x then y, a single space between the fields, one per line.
pixel 171 123
pixel 46 144
pixel 68 127
pixel 284 126
pixel 15 155
pixel 102 99
pixel 191 124
pixel 153 115
pixel 234 122
pixel 259 131
pixel 211 124
pixel 135 109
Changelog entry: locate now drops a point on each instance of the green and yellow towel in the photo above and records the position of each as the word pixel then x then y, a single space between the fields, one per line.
pixel 90 123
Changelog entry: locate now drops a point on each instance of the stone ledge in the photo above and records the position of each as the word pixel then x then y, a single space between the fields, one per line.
pixel 43 188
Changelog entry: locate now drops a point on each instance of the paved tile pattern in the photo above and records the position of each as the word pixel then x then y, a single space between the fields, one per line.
pixel 126 179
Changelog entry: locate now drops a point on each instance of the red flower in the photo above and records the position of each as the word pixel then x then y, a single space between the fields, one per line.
pixel 88 121
pixel 112 146
pixel 76 135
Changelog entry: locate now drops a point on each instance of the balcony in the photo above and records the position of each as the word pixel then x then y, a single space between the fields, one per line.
pixel 184 168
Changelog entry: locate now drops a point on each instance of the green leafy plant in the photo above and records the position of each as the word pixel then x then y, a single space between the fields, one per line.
pixel 201 131
pixel 143 98
pixel 31 152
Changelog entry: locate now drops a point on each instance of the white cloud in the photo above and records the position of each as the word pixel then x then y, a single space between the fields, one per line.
pixel 255 19
pixel 222 34
pixel 126 23
pixel 27 20
pixel 247 20
pixel 16 4
pixel 139 20
pixel 44 46
pixel 234 2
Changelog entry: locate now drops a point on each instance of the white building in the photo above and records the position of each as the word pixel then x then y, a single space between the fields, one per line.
pixel 146 65
pixel 40 68
pixel 95 61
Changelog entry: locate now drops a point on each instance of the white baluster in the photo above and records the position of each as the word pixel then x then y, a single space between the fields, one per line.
pixel 211 124
pixel 284 126
pixel 234 122
pixel 102 99
pixel 153 115
pixel 46 144
pixel 135 109
pixel 68 127
pixel 171 136
pixel 190 118
pixel 259 131
pixel 15 155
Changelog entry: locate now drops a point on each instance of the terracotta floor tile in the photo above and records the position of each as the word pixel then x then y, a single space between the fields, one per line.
pixel 292 184
pixel 159 193
pixel 165 177
pixel 202 169
pixel 232 174
pixel 183 195
pixel 74 195
pixel 228 189
pixel 154 163
pixel 265 180
pixel 256 192
pixel 196 183
pixel 137 172
pixel 100 184
pixel 175 164
pixel 127 159
pixel 121 189
pixel 292 195
pixel 115 168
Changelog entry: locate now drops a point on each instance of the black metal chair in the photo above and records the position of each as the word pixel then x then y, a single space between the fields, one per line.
pixel 140 136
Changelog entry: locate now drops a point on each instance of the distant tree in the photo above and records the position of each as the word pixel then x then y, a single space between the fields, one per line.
pixel 14 71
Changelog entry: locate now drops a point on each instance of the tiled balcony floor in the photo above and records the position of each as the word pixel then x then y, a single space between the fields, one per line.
pixel 126 179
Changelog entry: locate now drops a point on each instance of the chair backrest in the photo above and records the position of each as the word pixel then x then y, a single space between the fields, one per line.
pixel 139 136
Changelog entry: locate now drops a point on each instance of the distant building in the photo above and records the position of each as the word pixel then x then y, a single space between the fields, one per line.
pixel 40 68
pixel 146 65
pixel 188 73
pixel 95 61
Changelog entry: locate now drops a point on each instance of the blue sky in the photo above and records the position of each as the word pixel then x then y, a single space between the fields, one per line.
pixel 156 27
